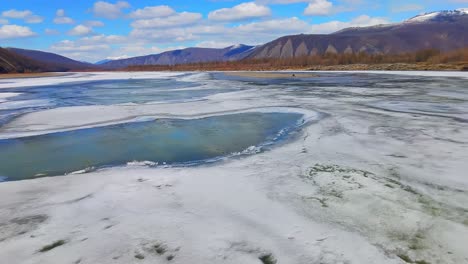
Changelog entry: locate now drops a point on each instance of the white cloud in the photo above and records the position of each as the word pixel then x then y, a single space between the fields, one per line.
pixel 360 21
pixel 408 8
pixel 141 50
pixel 15 31
pixel 80 52
pixel 163 36
pixel 3 21
pixel 288 25
pixel 68 46
pixel 13 13
pixel 179 19
pixel 264 31
pixel 319 8
pixel 80 30
pixel 109 10
pixel 240 12
pixel 94 23
pixel 152 12
pixel 60 12
pixel 103 39
pixel 214 44
pixel 281 2
pixel 178 34
pixel 26 15
pixel 95 48
pixel 51 32
pixel 61 18
pixel 210 34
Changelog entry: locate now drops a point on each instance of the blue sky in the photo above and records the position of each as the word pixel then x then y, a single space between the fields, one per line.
pixel 94 30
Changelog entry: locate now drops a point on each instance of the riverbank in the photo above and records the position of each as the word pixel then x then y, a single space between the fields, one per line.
pixel 31 75
pixel 273 67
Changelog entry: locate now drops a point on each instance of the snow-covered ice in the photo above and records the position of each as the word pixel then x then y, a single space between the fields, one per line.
pixel 367 182
pixel 5 96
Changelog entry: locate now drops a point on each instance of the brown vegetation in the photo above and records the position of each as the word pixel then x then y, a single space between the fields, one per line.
pixel 11 62
pixel 31 61
pixel 421 60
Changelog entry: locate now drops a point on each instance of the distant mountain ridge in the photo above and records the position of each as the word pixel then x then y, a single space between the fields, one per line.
pixel 185 56
pixel 444 31
pixel 53 61
pixel 11 62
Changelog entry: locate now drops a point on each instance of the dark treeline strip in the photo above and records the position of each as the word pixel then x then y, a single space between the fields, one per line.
pixel 424 59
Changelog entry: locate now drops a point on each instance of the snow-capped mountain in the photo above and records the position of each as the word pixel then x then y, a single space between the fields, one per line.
pixel 439 16
pixel 444 31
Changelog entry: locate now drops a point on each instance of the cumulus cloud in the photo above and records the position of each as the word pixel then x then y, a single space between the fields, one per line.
pixel 164 36
pixel 282 1
pixel 78 51
pixel 103 39
pixel 109 10
pixel 288 25
pixel 211 35
pixel 360 21
pixel 145 50
pixel 94 23
pixel 15 31
pixel 61 18
pixel 408 8
pixel 71 46
pixel 178 34
pixel 240 12
pixel 152 12
pixel 26 15
pixel 319 8
pixel 214 44
pixel 96 48
pixel 51 32
pixel 3 21
pixel 80 30
pixel 179 19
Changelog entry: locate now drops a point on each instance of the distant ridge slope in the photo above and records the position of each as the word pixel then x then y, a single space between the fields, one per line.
pixel 11 62
pixel 53 61
pixel 185 56
pixel 445 31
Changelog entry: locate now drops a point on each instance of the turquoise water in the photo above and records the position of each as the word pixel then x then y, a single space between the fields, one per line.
pixel 163 141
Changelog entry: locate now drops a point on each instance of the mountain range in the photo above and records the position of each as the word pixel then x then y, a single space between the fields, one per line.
pixel 444 31
pixel 22 60
pixel 56 61
pixel 189 55
pixel 12 62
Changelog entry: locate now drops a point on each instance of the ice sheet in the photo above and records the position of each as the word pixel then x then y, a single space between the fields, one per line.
pixel 361 185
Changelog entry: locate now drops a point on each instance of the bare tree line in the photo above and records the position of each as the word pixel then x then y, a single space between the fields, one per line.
pixel 457 59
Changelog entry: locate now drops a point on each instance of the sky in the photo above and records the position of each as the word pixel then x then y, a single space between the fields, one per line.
pixel 89 30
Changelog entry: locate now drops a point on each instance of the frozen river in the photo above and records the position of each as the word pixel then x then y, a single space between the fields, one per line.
pixel 338 167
